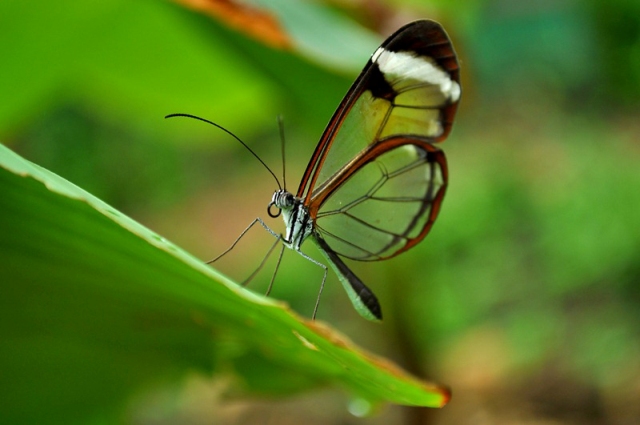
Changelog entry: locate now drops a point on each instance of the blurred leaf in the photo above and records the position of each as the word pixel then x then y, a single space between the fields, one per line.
pixel 308 28
pixel 150 58
pixel 96 307
pixel 244 17
pixel 617 26
pixel 323 35
pixel 127 59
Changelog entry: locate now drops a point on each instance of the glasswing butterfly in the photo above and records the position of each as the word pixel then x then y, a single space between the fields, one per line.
pixel 375 182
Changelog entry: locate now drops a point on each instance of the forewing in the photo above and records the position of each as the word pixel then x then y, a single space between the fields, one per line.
pixel 375 182
pixel 409 88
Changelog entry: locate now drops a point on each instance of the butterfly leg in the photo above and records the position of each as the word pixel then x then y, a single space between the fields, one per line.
pixel 236 241
pixel 252 275
pixel 275 272
pixel 256 220
pixel 324 278
pixel 279 238
pixel 262 263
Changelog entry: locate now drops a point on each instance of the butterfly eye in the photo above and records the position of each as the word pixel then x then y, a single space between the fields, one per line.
pixel 288 200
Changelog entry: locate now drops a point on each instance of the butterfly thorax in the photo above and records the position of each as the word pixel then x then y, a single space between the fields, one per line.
pixel 295 215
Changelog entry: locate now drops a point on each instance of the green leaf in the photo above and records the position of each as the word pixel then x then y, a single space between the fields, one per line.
pixel 96 308
pixel 142 59
pixel 323 35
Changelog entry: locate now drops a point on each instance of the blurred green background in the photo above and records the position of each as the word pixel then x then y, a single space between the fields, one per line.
pixel 524 298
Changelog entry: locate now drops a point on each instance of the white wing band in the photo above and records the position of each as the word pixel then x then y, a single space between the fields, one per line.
pixel 406 65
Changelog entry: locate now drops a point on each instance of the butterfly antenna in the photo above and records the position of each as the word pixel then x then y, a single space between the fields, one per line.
pixel 232 135
pixel 284 171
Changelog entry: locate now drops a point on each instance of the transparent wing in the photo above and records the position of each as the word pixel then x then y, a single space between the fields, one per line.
pixel 409 88
pixel 376 180
pixel 386 206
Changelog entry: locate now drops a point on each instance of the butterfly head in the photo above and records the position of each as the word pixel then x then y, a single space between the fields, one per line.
pixel 281 200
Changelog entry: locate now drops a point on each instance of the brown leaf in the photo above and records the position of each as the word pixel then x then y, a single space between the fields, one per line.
pixel 254 22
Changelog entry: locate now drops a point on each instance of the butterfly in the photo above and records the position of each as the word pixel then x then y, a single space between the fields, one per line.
pixel 376 180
